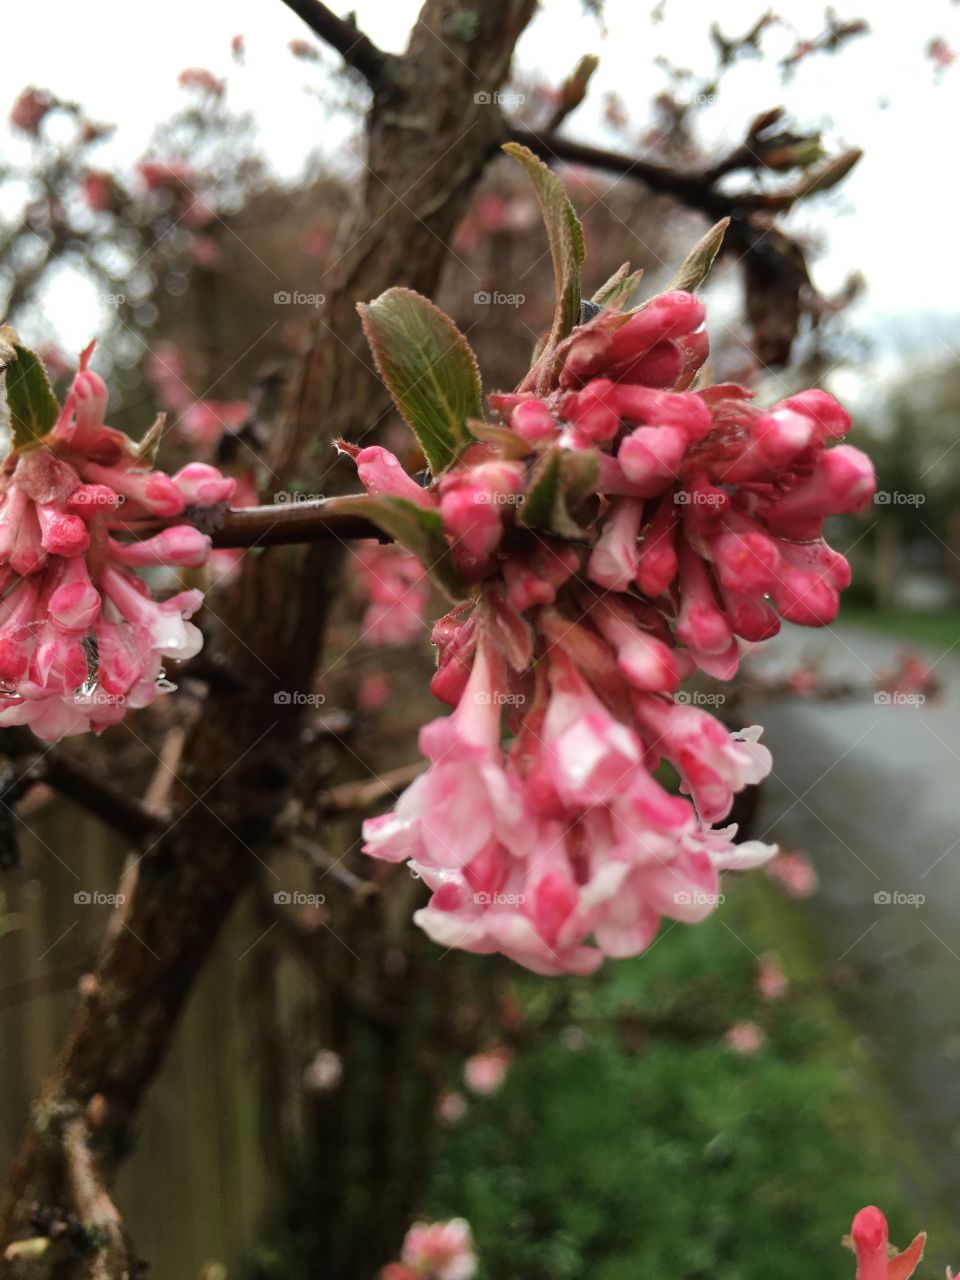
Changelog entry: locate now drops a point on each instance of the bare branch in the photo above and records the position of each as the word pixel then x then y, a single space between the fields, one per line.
pixel 357 50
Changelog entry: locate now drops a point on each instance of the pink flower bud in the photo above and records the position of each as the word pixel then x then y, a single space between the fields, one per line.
pixel 746 563
pixel 661 366
pixel 201 485
pixel 657 567
pixel 153 491
pixel 382 475
pixel 588 356
pixel 593 410
pixel 533 421
pixel 614 560
pixel 60 533
pixel 701 622
pixel 669 316
pixel 179 544
pixel 830 417
pixel 649 407
pixel 75 604
pixel 651 456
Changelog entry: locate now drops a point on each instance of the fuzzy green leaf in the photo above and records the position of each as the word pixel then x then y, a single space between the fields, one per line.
pixel 33 407
pixel 566 242
pixel 697 264
pixel 429 370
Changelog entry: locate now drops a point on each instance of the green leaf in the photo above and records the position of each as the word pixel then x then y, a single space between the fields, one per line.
pixel 619 289
pixel 507 443
pixel 560 482
pixel 33 407
pixel 416 528
pixel 566 244
pixel 697 264
pixel 429 370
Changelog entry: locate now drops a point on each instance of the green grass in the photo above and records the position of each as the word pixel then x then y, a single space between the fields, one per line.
pixel 941 628
pixel 662 1154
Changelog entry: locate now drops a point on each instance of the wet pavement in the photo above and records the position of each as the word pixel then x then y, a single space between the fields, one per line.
pixel 870 789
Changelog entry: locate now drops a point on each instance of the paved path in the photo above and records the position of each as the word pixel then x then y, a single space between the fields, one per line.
pixel 872 793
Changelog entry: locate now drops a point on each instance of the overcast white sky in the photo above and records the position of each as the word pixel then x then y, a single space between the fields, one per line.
pixel 121 60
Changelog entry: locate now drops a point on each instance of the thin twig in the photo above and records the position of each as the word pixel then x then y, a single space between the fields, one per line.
pixel 356 48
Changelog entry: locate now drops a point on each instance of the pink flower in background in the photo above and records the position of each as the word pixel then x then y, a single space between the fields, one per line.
pixel 82 639
pixel 399 591
pixel 484 1073
pixel 772 982
pixel 30 109
pixel 440 1250
pixel 374 692
pixel 200 78
pixel 746 1038
pixel 452 1107
pixel 871 1242
pixel 795 872
pixel 324 1072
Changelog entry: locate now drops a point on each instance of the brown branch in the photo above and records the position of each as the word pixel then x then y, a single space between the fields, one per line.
pixel 111 1257
pixel 357 797
pixel 88 789
pixel 284 523
pixel 356 48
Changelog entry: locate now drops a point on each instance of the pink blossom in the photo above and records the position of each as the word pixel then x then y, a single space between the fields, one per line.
pixel 30 109
pixel 324 1072
pixel 82 639
pixel 772 982
pixel 486 1072
pixel 200 78
pixel 746 1038
pixel 440 1250
pixel 398 588
pixel 795 872
pixel 694 522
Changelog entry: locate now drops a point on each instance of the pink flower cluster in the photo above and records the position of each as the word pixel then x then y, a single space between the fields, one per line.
pixel 703 524
pixel 435 1251
pixel 82 639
